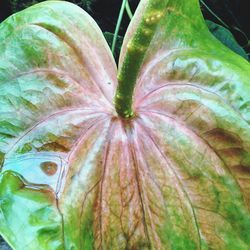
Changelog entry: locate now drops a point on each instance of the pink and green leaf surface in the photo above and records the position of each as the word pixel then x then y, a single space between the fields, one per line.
pixel 154 155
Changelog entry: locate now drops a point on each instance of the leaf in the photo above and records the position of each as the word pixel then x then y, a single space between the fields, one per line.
pixel 75 175
pixel 51 96
pixel 192 97
pixel 226 37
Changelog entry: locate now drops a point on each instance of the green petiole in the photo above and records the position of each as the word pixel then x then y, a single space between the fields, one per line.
pixel 118 24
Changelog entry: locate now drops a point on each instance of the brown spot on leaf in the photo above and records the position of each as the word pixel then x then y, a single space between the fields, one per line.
pixel 242 170
pixel 53 146
pixel 222 139
pixel 59 82
pixel 232 156
pixel 49 168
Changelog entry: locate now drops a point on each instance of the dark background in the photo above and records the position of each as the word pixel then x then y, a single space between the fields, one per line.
pixel 233 13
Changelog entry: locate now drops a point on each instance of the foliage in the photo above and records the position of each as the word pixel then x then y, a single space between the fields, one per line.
pixel 226 37
pixel 109 38
pixel 18 5
pixel 105 12
pixel 232 15
pixel 154 156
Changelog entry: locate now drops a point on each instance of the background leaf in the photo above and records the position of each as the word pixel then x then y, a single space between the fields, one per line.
pixel 235 16
pixel 109 38
pixel 3 244
pixel 226 37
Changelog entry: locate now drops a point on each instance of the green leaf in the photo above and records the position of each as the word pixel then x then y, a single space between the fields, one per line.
pixel 76 175
pixel 56 80
pixel 191 95
pixel 226 37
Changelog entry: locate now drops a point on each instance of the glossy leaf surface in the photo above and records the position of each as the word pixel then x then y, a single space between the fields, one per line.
pixel 76 176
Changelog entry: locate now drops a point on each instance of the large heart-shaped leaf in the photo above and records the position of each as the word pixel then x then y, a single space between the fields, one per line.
pixel 175 174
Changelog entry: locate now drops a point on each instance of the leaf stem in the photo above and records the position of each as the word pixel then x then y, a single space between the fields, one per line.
pixel 128 9
pixel 118 24
pixel 206 6
pixel 135 52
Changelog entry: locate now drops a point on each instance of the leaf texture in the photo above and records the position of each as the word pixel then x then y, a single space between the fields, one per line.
pixel 76 176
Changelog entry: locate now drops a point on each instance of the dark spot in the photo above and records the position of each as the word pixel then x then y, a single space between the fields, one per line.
pixel 242 170
pixel 49 168
pixel 60 83
pixel 1 160
pixel 220 136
